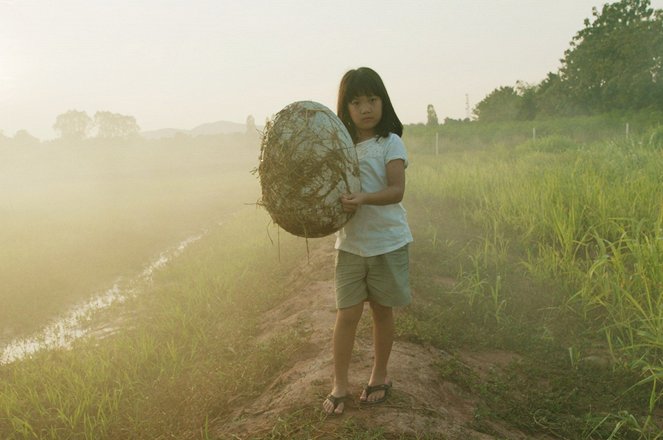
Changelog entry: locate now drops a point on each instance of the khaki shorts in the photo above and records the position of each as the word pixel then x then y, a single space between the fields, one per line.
pixel 382 279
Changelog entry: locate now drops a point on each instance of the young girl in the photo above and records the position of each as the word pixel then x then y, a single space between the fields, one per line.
pixel 372 258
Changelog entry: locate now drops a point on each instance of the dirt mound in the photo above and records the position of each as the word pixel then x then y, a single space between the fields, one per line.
pixel 422 404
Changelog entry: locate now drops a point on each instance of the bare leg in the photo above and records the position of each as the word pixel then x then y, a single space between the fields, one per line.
pixel 345 329
pixel 383 339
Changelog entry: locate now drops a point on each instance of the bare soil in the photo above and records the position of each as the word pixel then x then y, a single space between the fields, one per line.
pixel 422 405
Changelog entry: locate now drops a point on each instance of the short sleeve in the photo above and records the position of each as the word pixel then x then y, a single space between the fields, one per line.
pixel 395 149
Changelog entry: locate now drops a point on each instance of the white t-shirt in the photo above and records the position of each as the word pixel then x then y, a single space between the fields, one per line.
pixel 376 229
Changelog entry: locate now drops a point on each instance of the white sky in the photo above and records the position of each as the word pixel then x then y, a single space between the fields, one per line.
pixel 178 64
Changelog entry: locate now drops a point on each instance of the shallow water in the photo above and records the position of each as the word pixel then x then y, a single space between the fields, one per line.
pixel 64 330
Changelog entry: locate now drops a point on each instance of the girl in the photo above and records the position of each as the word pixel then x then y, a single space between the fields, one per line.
pixel 372 258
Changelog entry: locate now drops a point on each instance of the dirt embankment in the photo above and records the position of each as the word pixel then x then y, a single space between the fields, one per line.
pixel 421 405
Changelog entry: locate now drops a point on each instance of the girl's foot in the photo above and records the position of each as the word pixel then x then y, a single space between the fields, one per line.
pixel 334 404
pixel 374 394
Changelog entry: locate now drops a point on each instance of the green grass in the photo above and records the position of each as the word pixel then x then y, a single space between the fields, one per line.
pixel 549 249
pixel 187 354
pixel 559 252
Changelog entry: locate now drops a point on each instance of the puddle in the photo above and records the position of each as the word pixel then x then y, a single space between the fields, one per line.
pixel 61 333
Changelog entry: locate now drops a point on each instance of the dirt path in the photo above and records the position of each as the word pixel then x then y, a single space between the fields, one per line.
pixel 422 404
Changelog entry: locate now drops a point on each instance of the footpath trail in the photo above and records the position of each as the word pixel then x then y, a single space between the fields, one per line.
pixel 422 405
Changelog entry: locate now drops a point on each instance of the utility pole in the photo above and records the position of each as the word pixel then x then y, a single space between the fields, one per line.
pixel 467 106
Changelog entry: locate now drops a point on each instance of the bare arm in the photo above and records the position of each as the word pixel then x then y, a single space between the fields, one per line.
pixel 393 193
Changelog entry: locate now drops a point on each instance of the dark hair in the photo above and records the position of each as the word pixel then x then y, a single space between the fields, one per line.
pixel 365 81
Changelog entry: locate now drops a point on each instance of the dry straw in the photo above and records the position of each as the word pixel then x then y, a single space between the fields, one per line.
pixel 307 160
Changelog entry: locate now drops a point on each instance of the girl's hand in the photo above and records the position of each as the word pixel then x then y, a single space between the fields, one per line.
pixel 393 193
pixel 351 202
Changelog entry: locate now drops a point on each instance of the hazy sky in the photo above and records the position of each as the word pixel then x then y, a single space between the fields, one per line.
pixel 178 64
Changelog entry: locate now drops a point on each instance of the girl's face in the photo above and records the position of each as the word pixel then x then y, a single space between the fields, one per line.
pixel 366 113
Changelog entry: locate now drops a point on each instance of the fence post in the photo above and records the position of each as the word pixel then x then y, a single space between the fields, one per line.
pixel 533 133
pixel 627 127
pixel 437 143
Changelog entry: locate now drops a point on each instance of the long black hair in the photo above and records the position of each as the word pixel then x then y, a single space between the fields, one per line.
pixel 365 81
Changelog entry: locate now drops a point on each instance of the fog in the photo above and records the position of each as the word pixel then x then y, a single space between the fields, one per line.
pixel 77 217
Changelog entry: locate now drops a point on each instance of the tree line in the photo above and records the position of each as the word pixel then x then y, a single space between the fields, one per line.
pixel 614 64
pixel 76 125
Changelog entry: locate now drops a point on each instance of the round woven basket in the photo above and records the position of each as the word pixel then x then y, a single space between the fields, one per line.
pixel 307 161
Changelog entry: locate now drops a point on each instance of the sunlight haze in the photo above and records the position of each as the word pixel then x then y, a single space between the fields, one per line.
pixel 176 64
pixel 186 254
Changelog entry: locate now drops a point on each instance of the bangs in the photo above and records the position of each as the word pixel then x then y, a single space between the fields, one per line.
pixel 362 84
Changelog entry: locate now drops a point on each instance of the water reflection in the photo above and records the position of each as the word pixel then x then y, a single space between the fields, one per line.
pixel 61 333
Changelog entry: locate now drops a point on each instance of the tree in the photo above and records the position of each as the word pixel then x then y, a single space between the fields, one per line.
pixel 432 116
pixel 527 103
pixel 115 126
pixel 250 125
pixel 73 125
pixel 24 138
pixel 502 104
pixel 252 133
pixel 616 61
pixel 551 97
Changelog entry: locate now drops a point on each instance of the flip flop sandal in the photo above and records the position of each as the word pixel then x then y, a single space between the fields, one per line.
pixel 336 401
pixel 368 390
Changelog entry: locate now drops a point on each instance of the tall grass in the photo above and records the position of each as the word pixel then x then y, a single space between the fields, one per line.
pixel 585 220
pixel 187 353
pixel 514 244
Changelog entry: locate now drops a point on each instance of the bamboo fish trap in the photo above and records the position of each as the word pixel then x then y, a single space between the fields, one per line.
pixel 307 160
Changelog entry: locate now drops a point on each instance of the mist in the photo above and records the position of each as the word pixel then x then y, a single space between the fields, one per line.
pixel 77 216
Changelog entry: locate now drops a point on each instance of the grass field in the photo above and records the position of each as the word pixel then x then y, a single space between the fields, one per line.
pixel 560 255
pixel 74 219
pixel 548 249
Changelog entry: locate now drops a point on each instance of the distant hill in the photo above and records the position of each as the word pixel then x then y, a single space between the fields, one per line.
pixel 219 127
pixel 162 133
pixel 210 128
